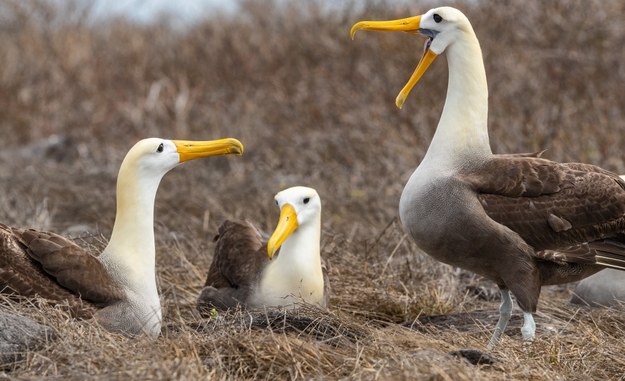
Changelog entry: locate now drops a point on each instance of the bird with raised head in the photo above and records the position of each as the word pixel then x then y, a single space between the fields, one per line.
pixel 117 287
pixel 519 220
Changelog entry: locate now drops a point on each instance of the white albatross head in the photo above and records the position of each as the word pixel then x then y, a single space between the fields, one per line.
pixel 299 208
pixel 442 26
pixel 145 164
pixel 154 157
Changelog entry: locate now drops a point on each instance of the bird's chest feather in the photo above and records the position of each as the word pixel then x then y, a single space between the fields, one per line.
pixel 446 220
pixel 288 285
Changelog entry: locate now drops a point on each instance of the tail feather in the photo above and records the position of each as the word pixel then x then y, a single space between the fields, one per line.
pixel 612 261
pixel 610 252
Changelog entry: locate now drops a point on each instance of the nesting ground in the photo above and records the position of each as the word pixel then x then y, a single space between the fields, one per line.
pixel 312 108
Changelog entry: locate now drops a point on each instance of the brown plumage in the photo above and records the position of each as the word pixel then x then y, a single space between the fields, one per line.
pixel 571 215
pixel 37 263
pixel 239 258
pixel 243 274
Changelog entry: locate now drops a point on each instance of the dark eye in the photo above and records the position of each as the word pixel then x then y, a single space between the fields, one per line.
pixel 277 203
pixel 437 18
pixel 306 200
pixel 160 148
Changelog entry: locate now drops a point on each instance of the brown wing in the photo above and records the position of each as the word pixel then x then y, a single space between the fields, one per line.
pixel 240 256
pixel 53 267
pixel 516 176
pixel 555 207
pixel 19 274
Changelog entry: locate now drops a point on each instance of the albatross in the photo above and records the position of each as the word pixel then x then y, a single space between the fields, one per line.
pixel 250 272
pixel 118 287
pixel 520 220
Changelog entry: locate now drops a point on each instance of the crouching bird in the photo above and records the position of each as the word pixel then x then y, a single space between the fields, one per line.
pixel 250 272
pixel 118 287
pixel 519 220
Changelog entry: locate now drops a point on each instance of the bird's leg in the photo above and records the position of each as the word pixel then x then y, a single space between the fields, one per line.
pixel 505 311
pixel 529 327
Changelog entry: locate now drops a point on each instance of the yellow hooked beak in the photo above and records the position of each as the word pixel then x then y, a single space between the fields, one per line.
pixel 409 25
pixel 286 225
pixel 189 149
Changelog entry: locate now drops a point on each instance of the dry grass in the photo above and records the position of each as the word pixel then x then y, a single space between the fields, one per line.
pixel 312 108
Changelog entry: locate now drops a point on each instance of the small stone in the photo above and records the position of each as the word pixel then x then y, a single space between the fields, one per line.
pixel 19 334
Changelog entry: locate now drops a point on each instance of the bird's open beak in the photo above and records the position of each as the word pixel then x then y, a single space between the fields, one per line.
pixel 409 25
pixel 286 225
pixel 189 149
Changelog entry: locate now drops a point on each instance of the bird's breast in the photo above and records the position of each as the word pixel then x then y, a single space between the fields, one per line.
pixel 445 219
pixel 278 287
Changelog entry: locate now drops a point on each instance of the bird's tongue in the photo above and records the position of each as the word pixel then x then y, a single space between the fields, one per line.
pixel 427 44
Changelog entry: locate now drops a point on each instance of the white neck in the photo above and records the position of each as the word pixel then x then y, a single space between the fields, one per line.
pixel 462 132
pixel 131 249
pixel 301 249
pixel 296 272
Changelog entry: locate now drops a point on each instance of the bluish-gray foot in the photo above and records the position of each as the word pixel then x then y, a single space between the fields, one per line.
pixel 505 311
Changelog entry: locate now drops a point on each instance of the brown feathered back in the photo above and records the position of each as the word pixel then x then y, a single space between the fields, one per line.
pixel 240 256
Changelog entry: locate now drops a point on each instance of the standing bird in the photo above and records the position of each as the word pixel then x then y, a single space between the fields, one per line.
pixel 245 272
pixel 519 220
pixel 118 287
